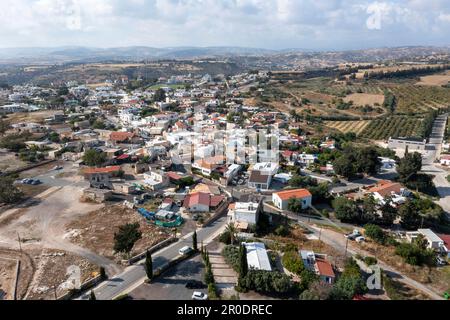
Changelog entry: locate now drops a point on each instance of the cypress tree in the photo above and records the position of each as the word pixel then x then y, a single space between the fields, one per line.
pixel 194 241
pixel 148 266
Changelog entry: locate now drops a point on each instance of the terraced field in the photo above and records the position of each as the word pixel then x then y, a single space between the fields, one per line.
pixel 339 89
pixel 348 126
pixel 395 126
pixel 420 99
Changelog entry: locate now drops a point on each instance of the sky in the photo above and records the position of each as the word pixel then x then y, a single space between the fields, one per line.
pixel 271 24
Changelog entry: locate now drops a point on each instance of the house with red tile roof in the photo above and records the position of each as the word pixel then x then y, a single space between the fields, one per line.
pixel 318 264
pixel 124 137
pixel 445 248
pixel 202 202
pixel 101 177
pixel 281 199
pixel 385 189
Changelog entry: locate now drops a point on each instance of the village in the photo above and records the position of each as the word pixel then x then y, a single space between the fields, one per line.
pixel 115 176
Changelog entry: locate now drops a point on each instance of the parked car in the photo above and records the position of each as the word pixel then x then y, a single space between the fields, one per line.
pixel 185 251
pixel 199 296
pixel 352 236
pixel 58 168
pixel 36 182
pixel 360 239
pixel 194 284
pixel 25 181
pixel 440 261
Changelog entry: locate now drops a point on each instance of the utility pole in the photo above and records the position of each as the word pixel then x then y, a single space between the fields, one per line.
pixel 18 239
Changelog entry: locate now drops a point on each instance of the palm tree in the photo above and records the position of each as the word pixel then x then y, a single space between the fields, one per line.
pixel 231 229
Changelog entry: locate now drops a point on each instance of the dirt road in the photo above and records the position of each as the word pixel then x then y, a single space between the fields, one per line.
pixel 42 223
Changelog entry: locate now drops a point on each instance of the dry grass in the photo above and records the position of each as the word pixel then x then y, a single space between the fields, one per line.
pixel 362 99
pixel 52 272
pixel 7 276
pixel 37 116
pixel 8 270
pixel 436 278
pixel 435 80
pixel 95 231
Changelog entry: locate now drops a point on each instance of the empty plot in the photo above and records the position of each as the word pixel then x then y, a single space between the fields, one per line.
pixel 362 99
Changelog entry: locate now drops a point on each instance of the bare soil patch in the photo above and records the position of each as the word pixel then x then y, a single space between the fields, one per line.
pixel 96 230
pixel 8 272
pixel 435 80
pixel 53 273
pixel 362 99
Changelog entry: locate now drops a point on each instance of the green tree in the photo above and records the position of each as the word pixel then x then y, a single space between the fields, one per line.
pixel 369 209
pixel 375 233
pixel 148 265
pixel 232 232
pixel 345 165
pixel 243 267
pixel 345 209
pixel 9 193
pixel 126 237
pixel 103 274
pixel 410 216
pixel 409 166
pixel 389 213
pixel 368 161
pixel 160 95
pixel 194 241
pixel 93 158
pixel 295 205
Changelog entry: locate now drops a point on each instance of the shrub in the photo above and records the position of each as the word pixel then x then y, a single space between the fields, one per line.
pixel 268 282
pixel 415 255
pixel 291 261
pixel 231 255
pixel 370 261
pixel 375 233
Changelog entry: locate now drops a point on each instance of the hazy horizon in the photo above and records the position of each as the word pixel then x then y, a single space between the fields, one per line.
pixel 320 25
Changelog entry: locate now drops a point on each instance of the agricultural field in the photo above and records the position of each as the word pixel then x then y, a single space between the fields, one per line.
pixel 341 89
pixel 395 126
pixel 435 80
pixel 362 99
pixel 420 99
pixel 348 126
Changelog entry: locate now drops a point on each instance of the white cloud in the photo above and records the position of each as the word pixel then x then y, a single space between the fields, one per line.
pixel 260 23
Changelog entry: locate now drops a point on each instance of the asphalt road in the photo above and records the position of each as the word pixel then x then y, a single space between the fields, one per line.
pixel 434 148
pixel 134 276
pixel 172 285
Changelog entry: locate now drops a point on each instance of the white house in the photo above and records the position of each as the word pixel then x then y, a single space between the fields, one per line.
pixel 244 212
pixel 434 241
pixel 156 180
pixel 281 199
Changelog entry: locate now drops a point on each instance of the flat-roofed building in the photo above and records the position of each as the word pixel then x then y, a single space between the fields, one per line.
pixel 257 257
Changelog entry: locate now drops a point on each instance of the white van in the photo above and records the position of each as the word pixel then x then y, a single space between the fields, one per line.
pixel 185 250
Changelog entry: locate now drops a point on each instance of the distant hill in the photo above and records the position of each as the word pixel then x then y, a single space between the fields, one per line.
pixel 83 54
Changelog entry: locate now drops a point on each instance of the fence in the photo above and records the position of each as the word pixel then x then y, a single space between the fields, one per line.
pixel 156 247
pixel 84 286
